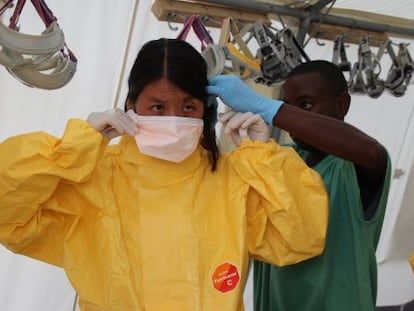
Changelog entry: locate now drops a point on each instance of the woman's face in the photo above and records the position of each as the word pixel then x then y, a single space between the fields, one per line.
pixel 162 98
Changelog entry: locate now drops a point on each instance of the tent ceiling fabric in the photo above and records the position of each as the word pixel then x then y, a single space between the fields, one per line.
pixel 99 34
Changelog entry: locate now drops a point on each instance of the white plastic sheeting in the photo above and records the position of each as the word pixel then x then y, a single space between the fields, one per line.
pixel 98 32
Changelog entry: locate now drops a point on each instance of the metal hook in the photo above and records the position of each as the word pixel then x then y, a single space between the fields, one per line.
pixel 317 39
pixel 170 18
pixel 206 18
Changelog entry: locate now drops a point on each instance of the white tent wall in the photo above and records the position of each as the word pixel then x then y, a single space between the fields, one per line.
pixel 98 32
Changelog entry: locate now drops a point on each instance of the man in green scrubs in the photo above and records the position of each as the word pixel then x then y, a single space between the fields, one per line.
pixel 356 171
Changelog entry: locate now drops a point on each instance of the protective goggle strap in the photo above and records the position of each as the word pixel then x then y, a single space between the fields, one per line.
pixel 237 51
pixel 395 77
pixel 224 39
pixel 407 68
pixel 14 19
pixel 356 82
pixel 336 48
pixel 186 27
pixel 297 54
pixel 199 29
pixel 272 53
pixel 224 32
pixel 340 53
pixel 44 12
pixel 345 65
pixel 367 65
pixel 48 17
pixel 7 5
pixel 382 48
pixel 202 33
pixel 296 44
pixel 404 56
pixel 239 40
pixel 392 54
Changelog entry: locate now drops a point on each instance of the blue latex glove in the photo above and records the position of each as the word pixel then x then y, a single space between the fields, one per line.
pixel 241 98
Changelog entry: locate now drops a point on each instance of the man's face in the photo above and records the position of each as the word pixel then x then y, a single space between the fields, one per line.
pixel 309 92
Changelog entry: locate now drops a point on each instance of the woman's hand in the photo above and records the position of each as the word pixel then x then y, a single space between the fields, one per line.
pixel 242 126
pixel 112 123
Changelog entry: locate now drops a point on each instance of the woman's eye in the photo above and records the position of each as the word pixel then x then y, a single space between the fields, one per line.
pixel 156 107
pixel 188 108
pixel 306 105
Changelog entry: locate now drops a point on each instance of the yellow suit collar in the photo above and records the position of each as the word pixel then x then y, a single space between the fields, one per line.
pixel 129 149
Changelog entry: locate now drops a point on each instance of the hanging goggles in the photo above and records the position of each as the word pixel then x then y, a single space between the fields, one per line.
pixel 212 54
pixel 280 52
pixel 41 61
pixel 339 57
pixel 238 58
pixel 400 73
pixel 364 76
pixel 272 54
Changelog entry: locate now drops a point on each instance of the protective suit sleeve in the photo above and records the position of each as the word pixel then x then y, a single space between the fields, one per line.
pixel 33 220
pixel 412 261
pixel 287 203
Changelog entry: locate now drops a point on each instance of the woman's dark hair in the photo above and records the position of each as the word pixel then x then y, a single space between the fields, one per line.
pixel 182 65
pixel 330 73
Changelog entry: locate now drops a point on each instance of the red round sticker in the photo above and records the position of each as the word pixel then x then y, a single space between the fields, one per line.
pixel 225 277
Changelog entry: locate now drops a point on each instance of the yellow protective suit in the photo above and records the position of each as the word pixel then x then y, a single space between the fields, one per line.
pixel 138 233
pixel 412 261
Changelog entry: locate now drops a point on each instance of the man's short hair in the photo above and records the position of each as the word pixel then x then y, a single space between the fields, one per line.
pixel 330 73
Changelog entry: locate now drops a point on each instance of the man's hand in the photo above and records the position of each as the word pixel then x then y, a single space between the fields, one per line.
pixel 241 98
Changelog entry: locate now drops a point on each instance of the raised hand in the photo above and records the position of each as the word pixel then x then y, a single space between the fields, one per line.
pixel 244 125
pixel 241 98
pixel 112 123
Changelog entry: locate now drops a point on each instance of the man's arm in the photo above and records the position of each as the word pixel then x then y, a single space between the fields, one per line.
pixel 340 139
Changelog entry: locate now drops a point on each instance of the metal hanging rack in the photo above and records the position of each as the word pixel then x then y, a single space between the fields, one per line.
pixel 329 24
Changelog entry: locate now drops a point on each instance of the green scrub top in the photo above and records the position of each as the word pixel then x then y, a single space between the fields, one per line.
pixel 344 277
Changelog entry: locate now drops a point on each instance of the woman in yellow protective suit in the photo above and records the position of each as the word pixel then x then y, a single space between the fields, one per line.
pixel 160 220
pixel 412 261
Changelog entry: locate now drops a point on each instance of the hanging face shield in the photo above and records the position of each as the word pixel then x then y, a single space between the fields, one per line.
pixel 41 61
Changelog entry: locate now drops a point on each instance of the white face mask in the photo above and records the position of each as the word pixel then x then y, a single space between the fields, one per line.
pixel 169 138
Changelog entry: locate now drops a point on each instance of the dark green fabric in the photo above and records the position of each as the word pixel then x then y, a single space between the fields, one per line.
pixel 344 277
